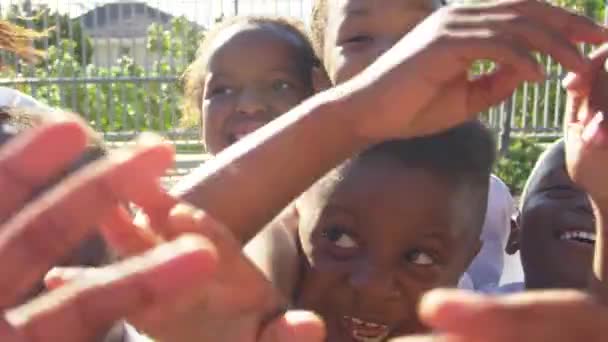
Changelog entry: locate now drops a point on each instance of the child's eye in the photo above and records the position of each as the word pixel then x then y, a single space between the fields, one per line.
pixel 419 257
pixel 280 85
pixel 222 91
pixel 340 238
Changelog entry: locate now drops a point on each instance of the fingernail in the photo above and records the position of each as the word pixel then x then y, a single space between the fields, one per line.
pixel 568 79
pixel 148 139
pixel 592 133
pixel 183 209
pixel 451 303
pixel 296 317
pixel 302 326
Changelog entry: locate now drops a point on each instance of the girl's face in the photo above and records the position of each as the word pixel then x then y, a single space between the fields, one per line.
pixel 358 32
pixel 253 76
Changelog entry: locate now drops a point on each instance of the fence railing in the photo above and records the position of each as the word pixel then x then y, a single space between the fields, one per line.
pixel 118 63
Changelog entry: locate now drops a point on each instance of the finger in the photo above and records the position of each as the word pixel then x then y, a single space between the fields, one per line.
pixel 575 27
pixel 47 229
pixel 294 326
pixel 488 90
pixel 431 338
pixel 59 276
pixel 124 236
pixel 530 34
pixel 476 45
pixel 185 218
pixel 581 83
pixel 25 165
pixel 81 310
pixel 529 316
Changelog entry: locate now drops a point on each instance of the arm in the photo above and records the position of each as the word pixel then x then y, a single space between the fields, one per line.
pixel 600 260
pixel 274 164
pixel 419 87
pixel 587 157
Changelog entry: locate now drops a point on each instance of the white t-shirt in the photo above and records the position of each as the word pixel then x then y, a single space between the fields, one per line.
pixel 487 267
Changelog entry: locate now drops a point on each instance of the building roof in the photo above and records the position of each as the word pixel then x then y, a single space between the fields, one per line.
pixel 124 19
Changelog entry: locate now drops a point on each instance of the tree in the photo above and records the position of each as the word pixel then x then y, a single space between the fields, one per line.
pixel 58 26
pixel 114 103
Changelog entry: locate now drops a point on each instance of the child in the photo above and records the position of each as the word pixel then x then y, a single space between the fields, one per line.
pixel 249 70
pixel 396 97
pixel 556 232
pixel 389 224
pixel 558 228
pixel 351 35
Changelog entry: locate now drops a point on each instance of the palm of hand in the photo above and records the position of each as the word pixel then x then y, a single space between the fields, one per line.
pixel 232 307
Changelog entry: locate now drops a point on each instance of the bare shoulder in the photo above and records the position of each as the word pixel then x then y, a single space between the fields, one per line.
pixel 275 251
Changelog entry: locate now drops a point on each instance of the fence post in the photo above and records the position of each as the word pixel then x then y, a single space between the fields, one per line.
pixel 505 127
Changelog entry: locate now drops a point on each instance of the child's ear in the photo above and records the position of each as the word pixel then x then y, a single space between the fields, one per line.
pixel 513 243
pixel 320 80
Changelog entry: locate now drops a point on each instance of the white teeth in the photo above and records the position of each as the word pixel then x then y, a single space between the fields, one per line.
pixel 359 332
pixel 578 236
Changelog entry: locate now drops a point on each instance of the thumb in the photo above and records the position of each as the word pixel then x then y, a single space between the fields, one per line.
pixel 581 83
pixel 294 326
pixel 60 276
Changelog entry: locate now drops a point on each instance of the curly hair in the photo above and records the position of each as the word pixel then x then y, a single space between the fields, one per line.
pixel 194 76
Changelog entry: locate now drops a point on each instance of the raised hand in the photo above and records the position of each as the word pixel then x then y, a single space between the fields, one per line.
pixel 421 85
pixel 35 235
pixel 586 131
pixel 238 304
pixel 535 316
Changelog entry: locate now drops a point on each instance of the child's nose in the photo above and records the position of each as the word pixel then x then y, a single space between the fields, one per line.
pixel 378 282
pixel 251 102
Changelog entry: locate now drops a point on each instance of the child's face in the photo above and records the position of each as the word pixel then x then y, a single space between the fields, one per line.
pixel 359 31
pixel 376 235
pixel 557 234
pixel 252 77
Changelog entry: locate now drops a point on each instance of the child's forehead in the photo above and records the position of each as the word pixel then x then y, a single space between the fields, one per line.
pixel 250 32
pixel 382 177
pixel 357 7
pixel 235 40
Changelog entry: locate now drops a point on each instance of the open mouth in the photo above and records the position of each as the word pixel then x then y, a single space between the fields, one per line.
pixel 356 41
pixel 578 236
pixel 365 331
pixel 239 131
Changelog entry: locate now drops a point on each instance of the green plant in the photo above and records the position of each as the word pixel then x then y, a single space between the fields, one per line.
pixel 515 167
pixel 116 103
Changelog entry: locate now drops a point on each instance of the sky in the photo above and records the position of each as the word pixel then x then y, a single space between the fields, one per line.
pixel 201 11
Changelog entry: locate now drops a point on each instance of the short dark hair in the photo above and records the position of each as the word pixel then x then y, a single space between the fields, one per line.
pixel 463 156
pixel 194 76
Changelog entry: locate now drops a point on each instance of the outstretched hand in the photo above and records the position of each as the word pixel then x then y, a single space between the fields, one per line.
pixel 236 304
pixel 35 234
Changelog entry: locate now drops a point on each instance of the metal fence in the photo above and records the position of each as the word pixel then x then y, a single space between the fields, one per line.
pixel 118 63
